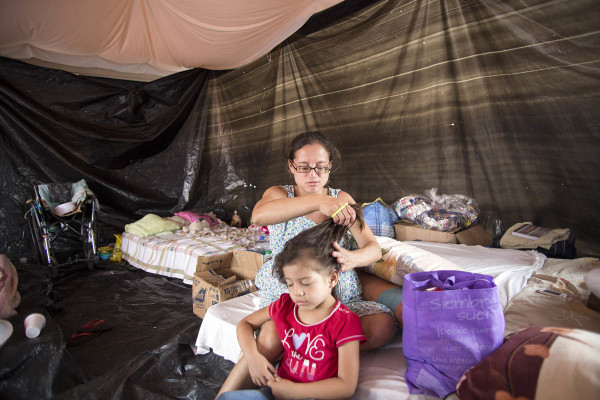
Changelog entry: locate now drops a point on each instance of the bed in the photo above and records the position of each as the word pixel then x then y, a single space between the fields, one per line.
pixel 519 275
pixel 175 254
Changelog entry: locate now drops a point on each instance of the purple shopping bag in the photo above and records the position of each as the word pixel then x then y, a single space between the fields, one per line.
pixel 446 332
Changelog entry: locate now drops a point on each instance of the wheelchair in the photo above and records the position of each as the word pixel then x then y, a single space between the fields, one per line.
pixel 63 223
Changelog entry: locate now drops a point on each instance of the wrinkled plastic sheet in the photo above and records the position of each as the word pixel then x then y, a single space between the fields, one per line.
pixel 495 100
pixel 145 355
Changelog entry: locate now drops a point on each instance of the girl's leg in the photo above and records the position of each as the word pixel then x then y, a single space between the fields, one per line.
pixel 269 345
pixel 379 329
pixel 238 379
pixel 268 342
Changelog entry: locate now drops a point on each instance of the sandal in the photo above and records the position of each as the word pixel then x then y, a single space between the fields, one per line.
pixel 89 331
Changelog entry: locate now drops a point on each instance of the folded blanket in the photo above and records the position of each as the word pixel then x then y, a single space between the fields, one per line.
pixel 150 225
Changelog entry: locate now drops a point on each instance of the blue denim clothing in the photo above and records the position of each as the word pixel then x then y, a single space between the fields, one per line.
pixel 252 394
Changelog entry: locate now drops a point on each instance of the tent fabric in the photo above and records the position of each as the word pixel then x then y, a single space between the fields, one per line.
pixel 496 100
pixel 155 37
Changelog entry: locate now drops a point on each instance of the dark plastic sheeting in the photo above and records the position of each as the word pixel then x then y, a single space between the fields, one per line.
pixel 497 100
pixel 146 355
pixel 137 145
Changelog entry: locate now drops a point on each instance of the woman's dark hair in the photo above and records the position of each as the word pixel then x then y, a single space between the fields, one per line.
pixel 315 137
pixel 315 243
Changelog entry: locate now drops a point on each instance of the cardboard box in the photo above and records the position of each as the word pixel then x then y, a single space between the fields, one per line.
pixel 223 277
pixel 475 235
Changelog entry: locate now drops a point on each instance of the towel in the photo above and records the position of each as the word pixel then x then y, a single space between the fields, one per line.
pixel 150 225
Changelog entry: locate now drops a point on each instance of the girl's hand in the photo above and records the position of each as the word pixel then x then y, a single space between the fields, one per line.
pixel 344 257
pixel 261 370
pixel 282 388
pixel 346 216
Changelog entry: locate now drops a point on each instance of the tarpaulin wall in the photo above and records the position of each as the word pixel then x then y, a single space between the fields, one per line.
pixel 497 100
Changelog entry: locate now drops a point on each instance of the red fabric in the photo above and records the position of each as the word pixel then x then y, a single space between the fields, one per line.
pixel 310 351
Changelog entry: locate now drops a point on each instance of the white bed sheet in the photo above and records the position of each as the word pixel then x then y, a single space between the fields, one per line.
pixel 217 331
pixel 511 269
pixel 381 375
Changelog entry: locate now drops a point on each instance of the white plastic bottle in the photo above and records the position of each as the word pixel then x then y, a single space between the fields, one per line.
pixel 262 246
pixel 268 255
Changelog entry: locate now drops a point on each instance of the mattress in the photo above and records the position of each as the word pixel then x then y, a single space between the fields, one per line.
pixel 511 269
pixel 522 278
pixel 176 254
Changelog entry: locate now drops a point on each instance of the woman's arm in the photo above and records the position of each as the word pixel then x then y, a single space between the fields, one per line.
pixel 343 386
pixel 275 207
pixel 368 251
pixel 260 369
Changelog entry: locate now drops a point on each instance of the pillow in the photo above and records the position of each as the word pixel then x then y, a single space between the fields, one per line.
pixel 211 219
pixel 193 216
pixel 592 280
pixel 380 218
pixel 189 215
pixel 150 225
pixel 179 220
pixel 538 363
pixel 400 259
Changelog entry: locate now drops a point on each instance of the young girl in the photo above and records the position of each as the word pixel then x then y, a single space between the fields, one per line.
pixel 320 336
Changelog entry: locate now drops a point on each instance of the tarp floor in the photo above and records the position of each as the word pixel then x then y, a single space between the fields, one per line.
pixel 145 355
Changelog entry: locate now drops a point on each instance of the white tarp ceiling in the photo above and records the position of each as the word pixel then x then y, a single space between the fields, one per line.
pixel 148 38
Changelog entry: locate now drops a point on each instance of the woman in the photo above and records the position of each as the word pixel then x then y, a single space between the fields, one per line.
pixel 291 209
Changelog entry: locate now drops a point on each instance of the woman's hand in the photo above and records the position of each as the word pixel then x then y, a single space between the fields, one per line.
pixel 345 216
pixel 344 257
pixel 261 370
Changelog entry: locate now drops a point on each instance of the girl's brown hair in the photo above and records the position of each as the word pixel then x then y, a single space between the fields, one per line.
pixel 315 137
pixel 315 243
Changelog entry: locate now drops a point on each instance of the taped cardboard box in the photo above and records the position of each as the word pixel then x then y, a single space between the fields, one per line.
pixel 472 236
pixel 223 277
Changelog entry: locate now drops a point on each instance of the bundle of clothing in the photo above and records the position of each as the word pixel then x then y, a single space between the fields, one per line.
pixel 556 243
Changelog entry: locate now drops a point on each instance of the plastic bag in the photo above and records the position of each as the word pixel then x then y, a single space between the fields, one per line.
pixel 412 206
pixel 439 212
pixel 458 207
pixel 116 254
pixel 451 321
pixel 380 218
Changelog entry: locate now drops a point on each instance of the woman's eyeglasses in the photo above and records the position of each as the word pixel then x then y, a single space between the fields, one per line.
pixel 305 169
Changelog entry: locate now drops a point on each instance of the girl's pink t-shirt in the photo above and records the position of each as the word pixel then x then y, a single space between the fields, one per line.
pixel 310 352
